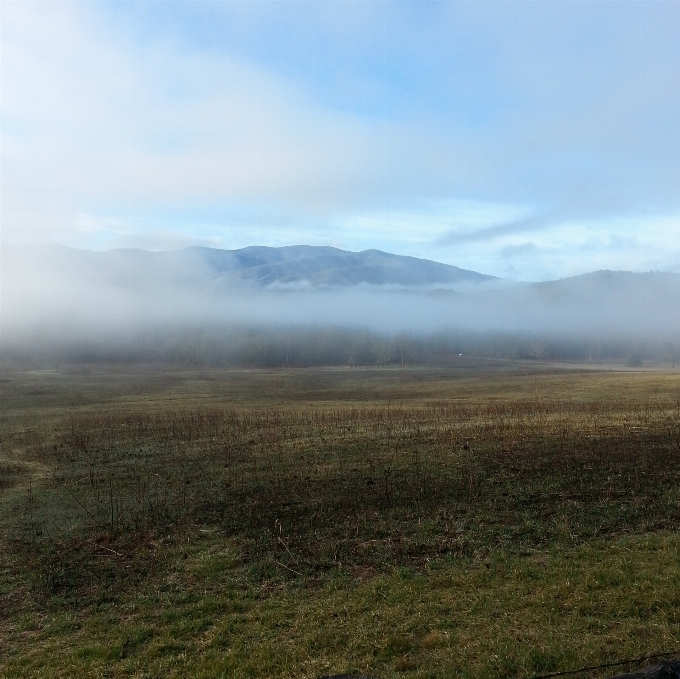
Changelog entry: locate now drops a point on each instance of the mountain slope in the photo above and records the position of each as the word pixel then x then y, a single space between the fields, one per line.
pixel 326 266
pixel 286 267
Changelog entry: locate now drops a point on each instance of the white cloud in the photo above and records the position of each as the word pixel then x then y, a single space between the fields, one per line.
pixel 91 121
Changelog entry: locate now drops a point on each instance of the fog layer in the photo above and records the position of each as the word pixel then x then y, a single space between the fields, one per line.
pixel 60 297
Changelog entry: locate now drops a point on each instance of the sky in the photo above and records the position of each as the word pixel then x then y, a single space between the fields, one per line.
pixel 527 140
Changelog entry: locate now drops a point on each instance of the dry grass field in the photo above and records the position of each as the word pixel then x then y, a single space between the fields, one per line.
pixel 485 520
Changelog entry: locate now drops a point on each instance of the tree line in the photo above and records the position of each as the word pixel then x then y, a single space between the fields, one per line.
pixel 296 346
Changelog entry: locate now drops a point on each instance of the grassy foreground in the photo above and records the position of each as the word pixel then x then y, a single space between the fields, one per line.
pixel 481 522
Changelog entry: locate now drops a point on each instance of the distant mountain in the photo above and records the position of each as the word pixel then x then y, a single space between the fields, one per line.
pixel 606 302
pixel 602 289
pixel 291 267
pixel 325 266
pixel 608 281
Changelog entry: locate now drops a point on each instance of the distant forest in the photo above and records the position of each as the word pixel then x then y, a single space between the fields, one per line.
pixel 327 346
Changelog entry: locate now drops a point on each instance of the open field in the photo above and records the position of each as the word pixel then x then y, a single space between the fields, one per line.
pixel 491 519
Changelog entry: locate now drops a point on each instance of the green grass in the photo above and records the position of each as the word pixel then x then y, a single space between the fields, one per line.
pixel 506 616
pixel 491 521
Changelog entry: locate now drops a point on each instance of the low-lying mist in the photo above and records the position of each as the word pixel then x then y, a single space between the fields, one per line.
pixel 58 304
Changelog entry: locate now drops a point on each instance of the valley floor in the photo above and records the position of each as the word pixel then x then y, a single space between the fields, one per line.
pixel 484 520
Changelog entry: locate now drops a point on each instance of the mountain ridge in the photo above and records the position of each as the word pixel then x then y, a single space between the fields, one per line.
pixel 296 267
pixel 260 266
